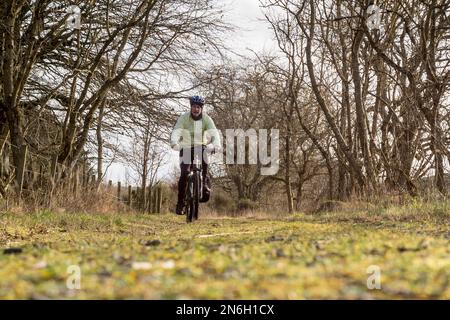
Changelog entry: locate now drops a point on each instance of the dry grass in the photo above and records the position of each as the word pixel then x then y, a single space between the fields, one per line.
pixel 102 201
pixel 412 210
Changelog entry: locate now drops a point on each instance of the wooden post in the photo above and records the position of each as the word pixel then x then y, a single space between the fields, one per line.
pixel 76 178
pixel 143 196
pixel 154 198
pixel 118 191
pixel 149 200
pixel 138 198
pixel 31 174
pixel 53 166
pixel 68 183
pixel 129 196
pixel 159 199
pixel 41 175
pixel 21 169
pixel 85 179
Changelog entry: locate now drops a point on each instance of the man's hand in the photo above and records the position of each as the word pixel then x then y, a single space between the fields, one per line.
pixel 175 146
pixel 211 149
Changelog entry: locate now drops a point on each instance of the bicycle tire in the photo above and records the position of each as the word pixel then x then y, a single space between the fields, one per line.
pixel 189 201
pixel 196 195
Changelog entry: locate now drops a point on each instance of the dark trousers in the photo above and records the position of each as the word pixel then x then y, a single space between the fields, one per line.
pixel 185 165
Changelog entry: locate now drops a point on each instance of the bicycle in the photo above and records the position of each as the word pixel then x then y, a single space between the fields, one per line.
pixel 194 189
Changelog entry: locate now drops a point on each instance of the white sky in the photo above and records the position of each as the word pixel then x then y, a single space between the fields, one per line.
pixel 251 34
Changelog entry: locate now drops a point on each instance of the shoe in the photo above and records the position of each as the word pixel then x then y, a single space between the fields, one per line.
pixel 179 209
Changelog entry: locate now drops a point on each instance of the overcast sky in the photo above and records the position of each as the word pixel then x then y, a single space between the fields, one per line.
pixel 251 33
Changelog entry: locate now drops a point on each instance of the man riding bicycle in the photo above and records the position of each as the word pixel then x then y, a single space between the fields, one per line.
pixel 195 129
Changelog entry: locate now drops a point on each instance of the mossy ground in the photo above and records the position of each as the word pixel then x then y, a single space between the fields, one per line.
pixel 300 256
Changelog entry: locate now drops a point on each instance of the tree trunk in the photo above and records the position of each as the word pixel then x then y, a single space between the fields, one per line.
pixel 299 195
pixel 360 113
pixel 12 112
pixel 439 176
pixel 100 144
pixel 287 176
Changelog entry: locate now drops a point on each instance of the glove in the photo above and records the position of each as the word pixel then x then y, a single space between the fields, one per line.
pixel 210 148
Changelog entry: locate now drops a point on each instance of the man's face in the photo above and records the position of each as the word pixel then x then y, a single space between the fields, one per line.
pixel 196 110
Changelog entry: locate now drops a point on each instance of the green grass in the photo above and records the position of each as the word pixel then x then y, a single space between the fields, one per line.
pixel 291 257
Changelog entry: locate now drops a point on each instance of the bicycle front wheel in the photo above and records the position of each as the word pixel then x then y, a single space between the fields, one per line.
pixel 196 195
pixel 189 200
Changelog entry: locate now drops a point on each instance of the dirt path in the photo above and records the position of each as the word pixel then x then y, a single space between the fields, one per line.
pixel 155 257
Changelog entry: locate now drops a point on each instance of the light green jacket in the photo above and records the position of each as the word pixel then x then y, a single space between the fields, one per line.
pixel 195 133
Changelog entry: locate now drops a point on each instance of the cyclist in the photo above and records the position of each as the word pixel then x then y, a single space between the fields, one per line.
pixel 195 129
